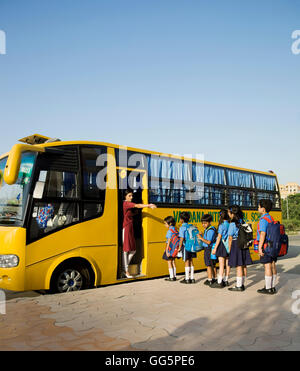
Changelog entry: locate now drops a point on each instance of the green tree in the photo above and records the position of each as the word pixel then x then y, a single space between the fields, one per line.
pixel 293 203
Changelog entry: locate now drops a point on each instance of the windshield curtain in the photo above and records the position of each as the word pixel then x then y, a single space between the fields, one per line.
pixel 13 198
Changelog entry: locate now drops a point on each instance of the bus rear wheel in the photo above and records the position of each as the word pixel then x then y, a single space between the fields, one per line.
pixel 70 277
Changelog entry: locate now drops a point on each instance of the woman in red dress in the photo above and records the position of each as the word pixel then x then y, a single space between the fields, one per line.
pixel 129 247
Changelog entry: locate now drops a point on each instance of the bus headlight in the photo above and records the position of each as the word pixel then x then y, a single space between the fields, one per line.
pixel 9 261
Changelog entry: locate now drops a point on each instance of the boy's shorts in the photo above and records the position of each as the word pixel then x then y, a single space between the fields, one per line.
pixel 207 260
pixel 267 259
pixel 187 255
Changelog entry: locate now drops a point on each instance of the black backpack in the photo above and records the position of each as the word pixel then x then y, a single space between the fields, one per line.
pixel 245 236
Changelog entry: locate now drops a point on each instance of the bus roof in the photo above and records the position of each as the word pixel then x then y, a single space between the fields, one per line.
pixel 82 142
pixel 63 143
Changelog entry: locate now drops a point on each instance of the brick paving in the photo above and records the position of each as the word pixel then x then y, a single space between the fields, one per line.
pixel 159 315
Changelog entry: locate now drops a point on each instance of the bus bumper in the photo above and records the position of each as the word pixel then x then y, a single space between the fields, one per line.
pixel 13 242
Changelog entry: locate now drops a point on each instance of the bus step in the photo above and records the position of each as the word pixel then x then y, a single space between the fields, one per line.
pixel 133 277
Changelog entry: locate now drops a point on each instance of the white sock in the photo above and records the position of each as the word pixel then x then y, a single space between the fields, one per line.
pixel 268 282
pixel 174 271
pixel 130 256
pixel 192 272
pixel 274 280
pixel 239 281
pixel 220 278
pixel 171 272
pixel 125 261
pixel 243 280
pixel 226 278
pixel 187 273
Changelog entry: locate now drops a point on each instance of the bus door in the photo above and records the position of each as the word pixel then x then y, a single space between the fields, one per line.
pixel 135 180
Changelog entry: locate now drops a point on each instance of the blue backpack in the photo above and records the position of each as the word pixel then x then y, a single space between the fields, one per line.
pixel 192 243
pixel 273 239
pixel 213 243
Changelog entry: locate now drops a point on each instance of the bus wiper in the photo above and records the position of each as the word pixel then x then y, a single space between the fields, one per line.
pixel 10 218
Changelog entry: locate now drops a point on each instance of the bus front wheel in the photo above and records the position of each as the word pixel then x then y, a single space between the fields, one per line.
pixel 70 277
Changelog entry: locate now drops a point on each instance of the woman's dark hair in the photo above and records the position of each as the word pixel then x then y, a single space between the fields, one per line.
pixel 185 216
pixel 127 192
pixel 170 220
pixel 223 216
pixel 237 214
pixel 267 204
pixel 207 218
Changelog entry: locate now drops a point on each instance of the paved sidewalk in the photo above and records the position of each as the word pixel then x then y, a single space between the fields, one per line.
pixel 159 315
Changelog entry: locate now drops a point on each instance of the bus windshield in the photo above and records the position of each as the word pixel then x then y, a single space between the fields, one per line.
pixel 13 198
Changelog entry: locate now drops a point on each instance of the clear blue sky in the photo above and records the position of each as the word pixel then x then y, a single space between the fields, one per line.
pixel 178 76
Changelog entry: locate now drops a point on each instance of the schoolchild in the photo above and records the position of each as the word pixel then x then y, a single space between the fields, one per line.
pixel 187 256
pixel 264 208
pixel 238 258
pixel 208 239
pixel 221 250
pixel 172 235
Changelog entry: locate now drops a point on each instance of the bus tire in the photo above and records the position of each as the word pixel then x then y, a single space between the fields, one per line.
pixel 71 276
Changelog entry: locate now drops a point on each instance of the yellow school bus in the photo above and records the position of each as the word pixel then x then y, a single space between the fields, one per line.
pixel 61 209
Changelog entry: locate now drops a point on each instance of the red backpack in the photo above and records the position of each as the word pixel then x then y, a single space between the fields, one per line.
pixel 174 243
pixel 284 241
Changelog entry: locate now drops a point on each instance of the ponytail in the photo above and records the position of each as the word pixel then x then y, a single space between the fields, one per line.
pixel 237 214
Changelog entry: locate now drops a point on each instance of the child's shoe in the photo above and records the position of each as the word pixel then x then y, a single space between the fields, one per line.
pixel 217 285
pixel 240 289
pixel 210 283
pixel 266 291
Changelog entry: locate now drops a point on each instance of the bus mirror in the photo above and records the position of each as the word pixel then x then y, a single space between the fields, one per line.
pixel 39 190
pixel 12 167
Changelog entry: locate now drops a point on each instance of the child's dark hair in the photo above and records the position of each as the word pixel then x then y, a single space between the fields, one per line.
pixel 237 214
pixel 170 220
pixel 223 216
pixel 207 218
pixel 267 204
pixel 185 216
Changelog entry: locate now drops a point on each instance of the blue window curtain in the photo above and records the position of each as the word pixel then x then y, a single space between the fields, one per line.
pixel 214 175
pixel 167 187
pixel 176 167
pixel 266 183
pixel 178 181
pixel 154 166
pixel 188 171
pixel 241 198
pixel 198 172
pixel 239 179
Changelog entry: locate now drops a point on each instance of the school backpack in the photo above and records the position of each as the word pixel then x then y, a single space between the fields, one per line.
pixel 277 242
pixel 245 236
pixel 213 243
pixel 174 243
pixel 192 243
pixel 284 240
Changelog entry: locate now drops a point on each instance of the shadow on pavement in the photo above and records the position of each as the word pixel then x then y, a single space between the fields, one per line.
pixel 259 324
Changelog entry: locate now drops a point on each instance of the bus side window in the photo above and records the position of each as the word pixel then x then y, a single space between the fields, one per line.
pixel 93 196
pixel 60 214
